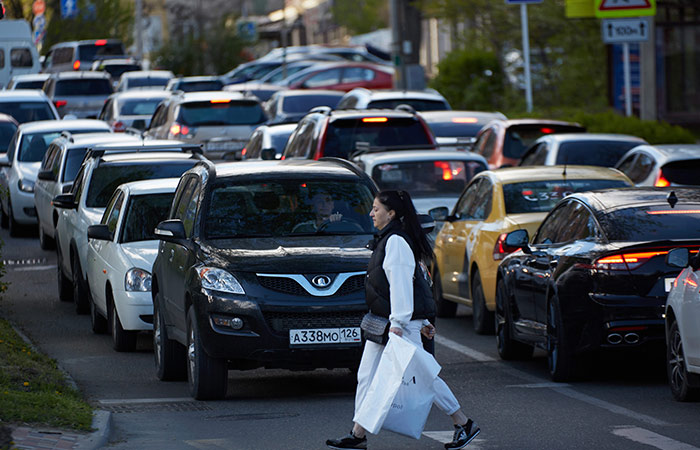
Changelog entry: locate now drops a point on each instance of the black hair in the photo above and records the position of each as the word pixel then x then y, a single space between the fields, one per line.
pixel 401 203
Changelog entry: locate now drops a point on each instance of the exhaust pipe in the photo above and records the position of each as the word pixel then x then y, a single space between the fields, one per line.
pixel 614 338
pixel 631 338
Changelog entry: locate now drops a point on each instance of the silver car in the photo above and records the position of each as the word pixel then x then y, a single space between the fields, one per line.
pixel 80 94
pixel 662 165
pixel 132 109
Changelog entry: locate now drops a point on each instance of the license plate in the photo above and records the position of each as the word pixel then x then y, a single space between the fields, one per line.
pixel 668 284
pixel 315 336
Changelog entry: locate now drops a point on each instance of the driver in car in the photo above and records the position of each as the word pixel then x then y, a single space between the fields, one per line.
pixel 323 205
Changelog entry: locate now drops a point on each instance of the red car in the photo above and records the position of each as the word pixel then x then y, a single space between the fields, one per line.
pixel 343 76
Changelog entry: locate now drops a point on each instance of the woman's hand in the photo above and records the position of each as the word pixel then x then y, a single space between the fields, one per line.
pixel 428 331
pixel 396 331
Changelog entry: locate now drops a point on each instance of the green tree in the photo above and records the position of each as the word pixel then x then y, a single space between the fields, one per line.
pixel 361 16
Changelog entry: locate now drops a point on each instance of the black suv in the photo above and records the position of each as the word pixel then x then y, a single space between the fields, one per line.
pixel 247 277
pixel 342 134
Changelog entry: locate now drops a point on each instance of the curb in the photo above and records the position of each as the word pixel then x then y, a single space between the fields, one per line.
pixel 102 422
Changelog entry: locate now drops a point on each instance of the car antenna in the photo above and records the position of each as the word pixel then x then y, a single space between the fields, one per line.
pixel 672 199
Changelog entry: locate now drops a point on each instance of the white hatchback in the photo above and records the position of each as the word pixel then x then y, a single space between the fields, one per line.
pixel 120 255
pixel 682 331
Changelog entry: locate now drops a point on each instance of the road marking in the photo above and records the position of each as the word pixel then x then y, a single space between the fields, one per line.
pixel 446 436
pixel 463 349
pixel 204 444
pixel 131 401
pixel 33 268
pixel 538 385
pixel 652 439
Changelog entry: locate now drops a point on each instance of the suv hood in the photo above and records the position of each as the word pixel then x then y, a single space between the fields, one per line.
pixel 311 254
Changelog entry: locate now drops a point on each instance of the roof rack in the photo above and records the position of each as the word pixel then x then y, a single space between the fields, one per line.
pixel 405 107
pixel 321 110
pixel 67 134
pixel 98 151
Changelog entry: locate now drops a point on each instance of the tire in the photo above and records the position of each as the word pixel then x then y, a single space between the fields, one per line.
pixel 97 321
pixel 443 307
pixel 80 297
pixel 122 340
pixel 508 348
pixel 13 226
pixel 560 358
pixel 4 222
pixel 207 377
pixel 65 286
pixel 45 242
pixel 684 385
pixel 169 355
pixel 483 319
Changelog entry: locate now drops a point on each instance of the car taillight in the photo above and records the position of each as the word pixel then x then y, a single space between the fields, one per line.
pixel 118 126
pixel 244 151
pixel 178 129
pixel 464 120
pixel 76 65
pixel 624 261
pixel 501 250
pixel 546 130
pixel 60 103
pixel 101 42
pixel 661 181
pixel 374 119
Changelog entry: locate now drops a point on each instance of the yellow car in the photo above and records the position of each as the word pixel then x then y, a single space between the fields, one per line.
pixel 471 244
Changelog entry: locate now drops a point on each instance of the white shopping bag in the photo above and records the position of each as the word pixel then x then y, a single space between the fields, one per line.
pixel 414 399
pixel 396 356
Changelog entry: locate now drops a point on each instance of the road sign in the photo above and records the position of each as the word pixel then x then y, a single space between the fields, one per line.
pixel 69 8
pixel 38 7
pixel 39 24
pixel 624 8
pixel 616 31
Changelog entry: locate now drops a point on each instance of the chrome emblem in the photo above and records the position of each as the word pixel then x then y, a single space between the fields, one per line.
pixel 321 281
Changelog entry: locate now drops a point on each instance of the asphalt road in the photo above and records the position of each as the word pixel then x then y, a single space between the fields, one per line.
pixel 625 404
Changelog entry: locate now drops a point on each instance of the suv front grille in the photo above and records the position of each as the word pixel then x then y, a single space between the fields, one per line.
pixel 282 322
pixel 292 287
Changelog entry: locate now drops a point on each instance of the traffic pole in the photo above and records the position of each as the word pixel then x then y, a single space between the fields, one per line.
pixel 628 82
pixel 526 54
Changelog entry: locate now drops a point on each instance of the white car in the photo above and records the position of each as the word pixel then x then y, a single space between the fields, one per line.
pixel 57 172
pixel 434 178
pixel 99 176
pixel 682 331
pixel 662 165
pixel 27 105
pixel 120 254
pixel 20 166
pixel 132 109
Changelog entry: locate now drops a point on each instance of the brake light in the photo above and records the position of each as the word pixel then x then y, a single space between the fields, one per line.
pixel 244 151
pixel 101 42
pixel 179 129
pixel 60 103
pixel 118 126
pixel 220 100
pixel 624 261
pixel 464 120
pixel 547 130
pixel 374 119
pixel 76 65
pixel 673 211
pixel 501 250
pixel 661 181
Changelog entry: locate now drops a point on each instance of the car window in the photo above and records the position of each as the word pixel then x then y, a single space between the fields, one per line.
pixel 344 136
pixel 294 144
pixel 252 150
pixel 581 224
pixel 74 158
pixel 159 116
pixel 554 225
pixel 91 52
pixel 643 166
pixel 348 102
pixel 134 82
pixel 536 156
pixel 541 196
pixel 38 84
pixel 190 212
pixel 50 156
pixel 79 185
pixel 146 106
pixel 197 86
pixel 593 153
pixel 221 113
pixel 417 104
pixel 21 57
pixel 83 86
pixel 652 223
pixel 303 103
pixel 435 178
pixel 323 78
pixel 2 57
pixel 455 128
pixel 357 74
pixel 286 207
pixel 143 213
pixel 106 177
pixel 27 111
pixel 481 207
pixel 7 130
pixel 183 197
pixel 485 142
pixel 519 137
pixel 33 146
pixel 626 166
pixel 468 198
pixel 106 112
pixel 111 214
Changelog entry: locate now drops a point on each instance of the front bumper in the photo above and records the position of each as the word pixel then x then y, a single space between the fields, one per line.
pixel 135 309
pixel 23 208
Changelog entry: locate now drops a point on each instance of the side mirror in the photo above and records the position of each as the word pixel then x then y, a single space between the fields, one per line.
pixel 426 222
pixel 46 175
pixel 171 230
pixel 518 239
pixel 440 213
pixel 678 257
pixel 268 153
pixel 100 232
pixel 4 162
pixel 65 201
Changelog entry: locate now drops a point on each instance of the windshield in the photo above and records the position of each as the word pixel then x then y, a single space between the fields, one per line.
pixel 417 104
pixel 107 177
pixel 519 137
pixel 303 103
pixel 593 153
pixel 347 135
pixel 90 52
pixel 38 84
pixel 116 70
pixel 427 178
pixel 33 146
pixel 226 113
pixel 196 86
pixel 541 196
pixel 150 81
pixel 652 223
pixel 83 86
pixel 454 129
pixel 26 111
pixel 139 107
pixel 292 207
pixel 7 130
pixel 143 214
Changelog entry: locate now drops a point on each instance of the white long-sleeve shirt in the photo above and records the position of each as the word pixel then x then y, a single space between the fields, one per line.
pixel 399 265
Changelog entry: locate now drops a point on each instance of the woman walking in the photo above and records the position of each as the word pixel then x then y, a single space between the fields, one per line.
pixel 399 246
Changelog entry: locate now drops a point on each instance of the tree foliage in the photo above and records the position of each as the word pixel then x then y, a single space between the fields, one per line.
pixel 361 16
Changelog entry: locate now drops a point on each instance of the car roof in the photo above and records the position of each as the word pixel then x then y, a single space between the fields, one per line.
pixel 145 144
pixel 153 157
pixel 542 173
pixel 387 94
pixel 199 78
pixel 671 151
pixel 90 139
pixel 19 95
pixel 202 96
pixel 9 118
pixel 148 74
pixel 308 92
pixel 515 122
pixel 154 186
pixel 360 113
pixel 571 137
pixel 272 169
pixel 86 41
pixel 62 124
pixel 31 76
pixel 80 74
pixel 141 93
pixel 418 155
pixel 607 200
pixel 448 115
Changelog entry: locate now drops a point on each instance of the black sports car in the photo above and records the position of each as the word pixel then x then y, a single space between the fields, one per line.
pixel 594 275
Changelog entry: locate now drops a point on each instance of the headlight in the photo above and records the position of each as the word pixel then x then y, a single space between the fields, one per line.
pixel 26 186
pixel 137 280
pixel 219 280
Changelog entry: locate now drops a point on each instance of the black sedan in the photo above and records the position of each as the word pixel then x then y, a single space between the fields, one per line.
pixel 594 275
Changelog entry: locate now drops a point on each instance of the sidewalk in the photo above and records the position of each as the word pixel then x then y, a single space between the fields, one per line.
pixel 28 438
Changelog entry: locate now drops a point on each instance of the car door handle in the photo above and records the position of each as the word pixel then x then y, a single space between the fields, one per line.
pixel 172 255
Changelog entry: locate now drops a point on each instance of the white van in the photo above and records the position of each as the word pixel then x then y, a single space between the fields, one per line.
pixel 18 54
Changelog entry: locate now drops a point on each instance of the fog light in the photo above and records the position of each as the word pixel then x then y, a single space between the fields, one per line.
pixel 236 323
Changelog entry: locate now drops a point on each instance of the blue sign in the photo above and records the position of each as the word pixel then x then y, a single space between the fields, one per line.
pixel 618 77
pixel 69 8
